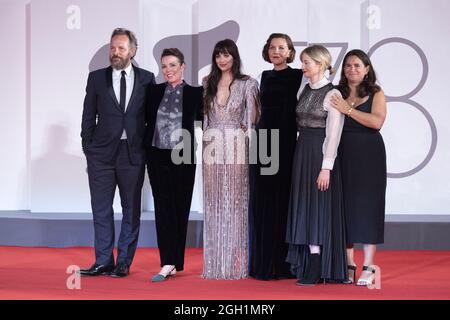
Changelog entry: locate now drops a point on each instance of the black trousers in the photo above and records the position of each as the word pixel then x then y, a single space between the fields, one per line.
pixel 172 187
pixel 103 180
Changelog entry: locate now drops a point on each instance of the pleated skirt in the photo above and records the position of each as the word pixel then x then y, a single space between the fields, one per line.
pixel 315 217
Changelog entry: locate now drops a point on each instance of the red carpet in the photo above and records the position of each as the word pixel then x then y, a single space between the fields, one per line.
pixel 40 273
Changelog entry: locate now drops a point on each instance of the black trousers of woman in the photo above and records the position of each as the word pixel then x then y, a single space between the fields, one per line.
pixel 172 187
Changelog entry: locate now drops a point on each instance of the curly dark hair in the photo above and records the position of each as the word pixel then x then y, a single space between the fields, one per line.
pixel 368 86
pixel 226 46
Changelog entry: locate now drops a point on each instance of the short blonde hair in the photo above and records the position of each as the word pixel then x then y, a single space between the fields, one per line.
pixel 320 55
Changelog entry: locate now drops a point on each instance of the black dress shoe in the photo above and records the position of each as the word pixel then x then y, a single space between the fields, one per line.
pixel 97 270
pixel 121 270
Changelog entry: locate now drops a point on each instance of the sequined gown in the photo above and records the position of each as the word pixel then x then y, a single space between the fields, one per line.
pixel 226 182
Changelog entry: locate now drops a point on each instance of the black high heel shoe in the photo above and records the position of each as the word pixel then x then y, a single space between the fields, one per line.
pixel 351 269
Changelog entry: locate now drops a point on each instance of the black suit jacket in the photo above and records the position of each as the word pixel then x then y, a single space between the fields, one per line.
pixel 103 121
pixel 192 111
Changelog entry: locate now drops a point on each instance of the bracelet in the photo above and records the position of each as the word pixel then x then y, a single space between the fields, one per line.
pixel 349 111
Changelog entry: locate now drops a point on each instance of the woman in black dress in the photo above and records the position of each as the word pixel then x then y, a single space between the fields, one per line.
pixel 363 159
pixel 270 182
pixel 316 226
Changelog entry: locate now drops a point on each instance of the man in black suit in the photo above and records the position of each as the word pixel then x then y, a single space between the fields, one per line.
pixel 112 132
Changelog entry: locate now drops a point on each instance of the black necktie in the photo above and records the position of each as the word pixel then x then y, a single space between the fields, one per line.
pixel 123 91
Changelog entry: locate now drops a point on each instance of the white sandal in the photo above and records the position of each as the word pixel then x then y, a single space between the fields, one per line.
pixel 369 280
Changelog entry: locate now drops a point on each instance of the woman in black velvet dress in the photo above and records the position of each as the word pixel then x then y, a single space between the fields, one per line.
pixel 270 182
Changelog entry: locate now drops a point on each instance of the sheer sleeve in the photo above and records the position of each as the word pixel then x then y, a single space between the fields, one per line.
pixel 205 115
pixel 252 105
pixel 334 125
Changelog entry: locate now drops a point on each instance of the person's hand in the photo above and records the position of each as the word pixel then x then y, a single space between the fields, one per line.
pixel 339 103
pixel 323 181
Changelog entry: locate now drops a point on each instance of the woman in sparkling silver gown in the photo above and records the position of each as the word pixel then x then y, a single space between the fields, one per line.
pixel 231 110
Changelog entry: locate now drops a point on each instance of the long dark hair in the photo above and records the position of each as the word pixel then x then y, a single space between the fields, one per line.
pixel 212 80
pixel 368 86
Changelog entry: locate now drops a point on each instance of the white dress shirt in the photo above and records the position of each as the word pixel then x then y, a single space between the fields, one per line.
pixel 129 79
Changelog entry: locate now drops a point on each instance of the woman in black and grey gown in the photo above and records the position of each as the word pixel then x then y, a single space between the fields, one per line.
pixel 316 226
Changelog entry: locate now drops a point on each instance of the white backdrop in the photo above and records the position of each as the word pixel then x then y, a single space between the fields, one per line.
pixel 50 46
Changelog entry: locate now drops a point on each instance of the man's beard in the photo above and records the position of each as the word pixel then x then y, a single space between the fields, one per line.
pixel 119 63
